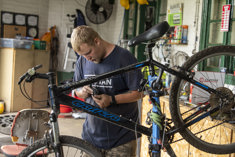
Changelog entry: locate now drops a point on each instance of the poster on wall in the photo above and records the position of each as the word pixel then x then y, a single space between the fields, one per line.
pixel 225 18
pixel 210 79
pixel 175 14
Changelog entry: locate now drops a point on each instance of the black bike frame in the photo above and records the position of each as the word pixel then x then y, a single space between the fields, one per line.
pixel 105 115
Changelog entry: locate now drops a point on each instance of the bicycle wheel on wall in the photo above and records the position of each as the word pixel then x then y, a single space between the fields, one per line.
pixel 72 146
pixel 215 133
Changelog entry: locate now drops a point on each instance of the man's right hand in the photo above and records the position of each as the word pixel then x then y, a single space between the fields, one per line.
pixel 85 92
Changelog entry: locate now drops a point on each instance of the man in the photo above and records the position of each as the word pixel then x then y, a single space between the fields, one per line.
pixel 118 94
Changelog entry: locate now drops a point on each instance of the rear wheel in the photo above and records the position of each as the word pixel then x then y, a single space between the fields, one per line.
pixel 72 146
pixel 215 133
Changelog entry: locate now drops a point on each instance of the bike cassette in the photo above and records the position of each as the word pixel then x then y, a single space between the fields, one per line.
pixel 225 104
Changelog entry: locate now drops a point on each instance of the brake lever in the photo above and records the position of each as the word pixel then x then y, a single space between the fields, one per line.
pixel 30 78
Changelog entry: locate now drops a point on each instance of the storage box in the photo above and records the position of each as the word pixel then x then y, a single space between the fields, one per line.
pixel 40 45
pixel 16 43
pixel 23 44
pixel 5 42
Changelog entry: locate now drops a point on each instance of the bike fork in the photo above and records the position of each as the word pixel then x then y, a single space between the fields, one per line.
pixel 56 145
pixel 54 134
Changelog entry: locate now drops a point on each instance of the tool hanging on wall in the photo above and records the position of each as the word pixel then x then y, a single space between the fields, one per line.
pixel 52 39
pixel 54 48
pixel 71 58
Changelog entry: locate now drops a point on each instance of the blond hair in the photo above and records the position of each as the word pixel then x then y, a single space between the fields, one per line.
pixel 83 34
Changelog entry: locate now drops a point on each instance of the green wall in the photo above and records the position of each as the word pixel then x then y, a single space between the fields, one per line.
pixel 63 76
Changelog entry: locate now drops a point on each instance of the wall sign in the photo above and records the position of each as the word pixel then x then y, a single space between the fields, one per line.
pixel 175 14
pixel 225 18
pixel 32 20
pixel 7 18
pixel 20 19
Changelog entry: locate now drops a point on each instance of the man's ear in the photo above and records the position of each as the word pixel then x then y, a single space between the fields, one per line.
pixel 97 41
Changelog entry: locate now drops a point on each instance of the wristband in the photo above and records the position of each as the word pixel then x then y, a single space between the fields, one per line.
pixel 113 102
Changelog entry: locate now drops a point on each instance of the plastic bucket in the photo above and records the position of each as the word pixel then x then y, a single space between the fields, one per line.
pixel 65 109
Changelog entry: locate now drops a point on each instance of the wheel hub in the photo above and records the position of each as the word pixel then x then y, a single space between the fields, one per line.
pixel 224 100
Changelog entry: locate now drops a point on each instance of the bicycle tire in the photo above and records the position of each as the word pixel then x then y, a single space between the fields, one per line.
pixel 71 146
pixel 209 140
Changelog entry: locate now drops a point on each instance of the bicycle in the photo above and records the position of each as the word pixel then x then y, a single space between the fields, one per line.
pixel 216 108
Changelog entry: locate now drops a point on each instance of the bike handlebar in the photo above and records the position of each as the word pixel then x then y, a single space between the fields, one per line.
pixel 31 72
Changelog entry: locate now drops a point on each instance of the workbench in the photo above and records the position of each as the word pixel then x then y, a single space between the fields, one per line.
pixel 182 147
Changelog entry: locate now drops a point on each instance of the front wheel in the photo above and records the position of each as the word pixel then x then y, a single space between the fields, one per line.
pixel 72 146
pixel 214 133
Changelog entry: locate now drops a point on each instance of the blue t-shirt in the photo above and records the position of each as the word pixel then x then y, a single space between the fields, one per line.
pixel 98 132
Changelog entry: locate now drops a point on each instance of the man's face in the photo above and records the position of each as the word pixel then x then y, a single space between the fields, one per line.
pixel 91 53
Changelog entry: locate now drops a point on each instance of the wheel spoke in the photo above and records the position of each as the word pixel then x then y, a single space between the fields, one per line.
pixel 206 129
pixel 71 146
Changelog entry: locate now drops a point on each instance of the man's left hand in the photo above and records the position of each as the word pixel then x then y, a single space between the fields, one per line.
pixel 102 100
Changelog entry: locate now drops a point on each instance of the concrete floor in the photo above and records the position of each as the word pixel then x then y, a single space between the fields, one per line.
pixel 67 124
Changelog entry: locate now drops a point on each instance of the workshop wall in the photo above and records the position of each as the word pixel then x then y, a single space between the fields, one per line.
pixel 54 12
pixel 37 7
pixel 58 10
pixel 192 13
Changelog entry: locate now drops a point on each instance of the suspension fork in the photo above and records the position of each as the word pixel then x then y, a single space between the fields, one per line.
pixel 55 133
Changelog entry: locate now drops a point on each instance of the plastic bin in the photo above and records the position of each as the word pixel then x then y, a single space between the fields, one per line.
pixel 40 45
pixel 16 43
pixel 23 44
pixel 6 42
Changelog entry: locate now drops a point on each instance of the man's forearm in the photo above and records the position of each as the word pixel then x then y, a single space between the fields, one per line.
pixel 131 96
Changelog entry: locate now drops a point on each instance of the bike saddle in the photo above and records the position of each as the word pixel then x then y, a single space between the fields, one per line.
pixel 154 32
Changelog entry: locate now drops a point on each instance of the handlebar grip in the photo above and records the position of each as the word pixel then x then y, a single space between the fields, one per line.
pixel 37 66
pixel 30 72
